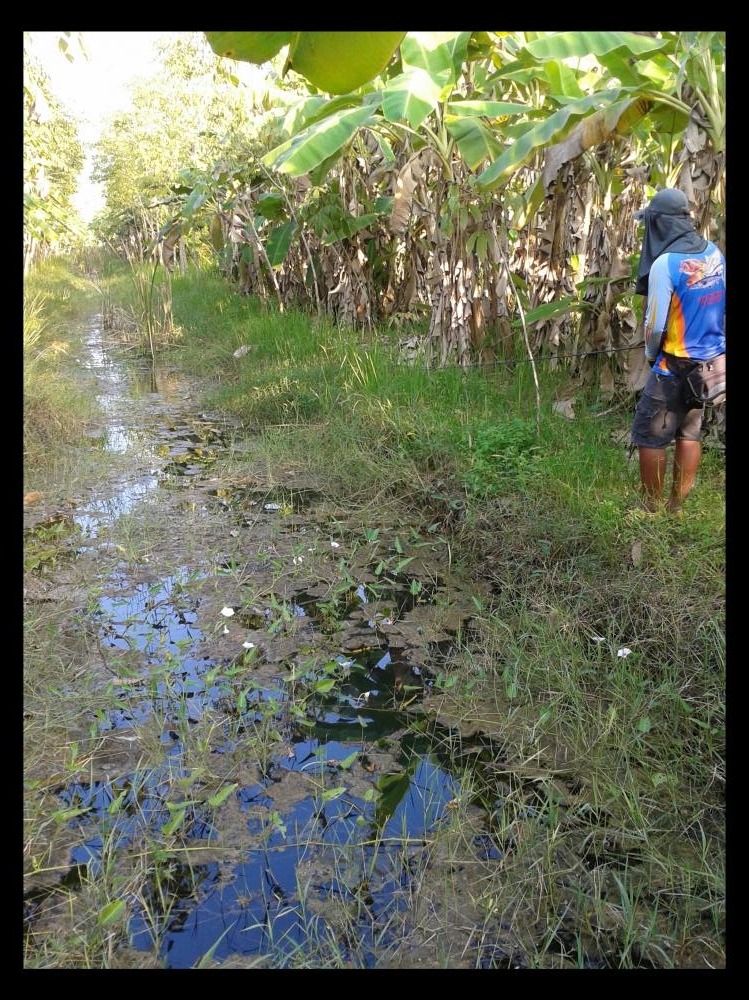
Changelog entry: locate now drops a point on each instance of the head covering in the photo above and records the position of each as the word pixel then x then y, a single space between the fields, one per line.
pixel 668 229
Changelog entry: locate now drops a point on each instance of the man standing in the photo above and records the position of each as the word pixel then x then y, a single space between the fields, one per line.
pixel 684 279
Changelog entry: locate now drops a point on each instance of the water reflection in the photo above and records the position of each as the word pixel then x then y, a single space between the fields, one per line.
pixel 357 836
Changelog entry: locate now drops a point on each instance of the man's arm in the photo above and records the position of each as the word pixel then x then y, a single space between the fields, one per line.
pixel 658 302
pixel 653 341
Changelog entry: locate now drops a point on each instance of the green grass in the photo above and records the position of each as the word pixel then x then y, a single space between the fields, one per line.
pixel 55 409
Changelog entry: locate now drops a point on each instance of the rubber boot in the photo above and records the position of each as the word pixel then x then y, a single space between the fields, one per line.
pixel 687 457
pixel 652 476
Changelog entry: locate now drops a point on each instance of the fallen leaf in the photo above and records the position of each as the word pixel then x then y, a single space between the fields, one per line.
pixel 31 498
pixel 565 407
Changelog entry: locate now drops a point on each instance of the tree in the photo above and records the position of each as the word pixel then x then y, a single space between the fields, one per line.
pixel 184 118
pixel 52 161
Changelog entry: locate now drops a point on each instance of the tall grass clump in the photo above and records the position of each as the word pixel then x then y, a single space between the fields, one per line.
pixel 55 410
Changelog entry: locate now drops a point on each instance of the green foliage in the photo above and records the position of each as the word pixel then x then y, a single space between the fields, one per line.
pixel 188 116
pixel 504 454
pixel 52 160
pixel 332 61
pixel 54 407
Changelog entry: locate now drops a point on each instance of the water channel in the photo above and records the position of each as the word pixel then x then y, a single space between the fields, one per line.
pixel 296 651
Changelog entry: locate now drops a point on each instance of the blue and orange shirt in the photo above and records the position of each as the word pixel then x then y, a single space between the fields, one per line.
pixel 687 300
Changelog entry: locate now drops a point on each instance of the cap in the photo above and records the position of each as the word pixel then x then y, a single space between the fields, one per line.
pixel 669 201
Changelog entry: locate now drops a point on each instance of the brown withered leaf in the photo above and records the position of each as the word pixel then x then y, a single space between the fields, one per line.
pixel 566 407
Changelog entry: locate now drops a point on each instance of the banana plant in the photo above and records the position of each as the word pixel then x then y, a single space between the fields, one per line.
pixel 495 117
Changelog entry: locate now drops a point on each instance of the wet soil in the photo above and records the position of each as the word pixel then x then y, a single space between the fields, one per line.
pixel 245 611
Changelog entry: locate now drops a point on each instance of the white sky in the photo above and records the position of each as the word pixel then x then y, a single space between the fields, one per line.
pixel 91 88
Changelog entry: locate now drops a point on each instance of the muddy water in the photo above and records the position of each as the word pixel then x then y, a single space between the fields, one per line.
pixel 265 659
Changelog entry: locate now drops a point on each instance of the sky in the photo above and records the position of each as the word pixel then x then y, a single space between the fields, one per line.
pixel 95 84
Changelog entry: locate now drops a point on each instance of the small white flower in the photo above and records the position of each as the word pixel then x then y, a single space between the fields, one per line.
pixel 598 638
pixel 623 652
pixel 227 612
pixel 248 645
pixel 334 545
pixel 298 560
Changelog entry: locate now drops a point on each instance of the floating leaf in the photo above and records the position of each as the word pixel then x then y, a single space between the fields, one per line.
pixel 175 822
pixel 64 815
pixel 219 797
pixel 391 788
pixel 111 912
pixel 333 793
pixel 346 763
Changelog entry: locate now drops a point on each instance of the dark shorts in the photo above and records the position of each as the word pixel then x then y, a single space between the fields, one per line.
pixel 661 416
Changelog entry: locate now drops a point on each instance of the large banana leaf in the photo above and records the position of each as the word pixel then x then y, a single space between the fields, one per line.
pixel 248 46
pixel 318 142
pixel 333 61
pixel 562 81
pixel 567 44
pixel 485 109
pixel 475 142
pixel 412 96
pixel 350 225
pixel 279 241
pixel 340 61
pixel 300 114
pixel 538 135
pixel 436 52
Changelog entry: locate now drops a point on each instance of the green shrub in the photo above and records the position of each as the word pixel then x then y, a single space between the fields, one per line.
pixel 502 453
